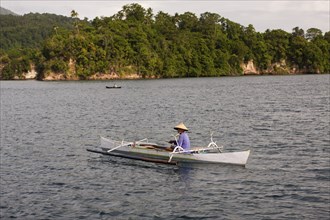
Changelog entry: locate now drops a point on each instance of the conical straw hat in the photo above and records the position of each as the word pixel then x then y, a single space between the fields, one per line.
pixel 181 126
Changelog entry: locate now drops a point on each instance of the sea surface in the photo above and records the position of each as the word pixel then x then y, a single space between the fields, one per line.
pixel 46 172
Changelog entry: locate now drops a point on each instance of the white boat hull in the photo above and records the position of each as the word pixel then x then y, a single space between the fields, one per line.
pixel 148 151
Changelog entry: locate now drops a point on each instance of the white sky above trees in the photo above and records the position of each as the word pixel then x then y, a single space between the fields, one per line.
pixel 262 14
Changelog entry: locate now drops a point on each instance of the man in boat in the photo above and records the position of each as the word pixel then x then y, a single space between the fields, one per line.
pixel 183 140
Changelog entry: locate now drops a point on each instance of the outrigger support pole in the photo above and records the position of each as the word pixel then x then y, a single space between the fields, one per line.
pixel 132 157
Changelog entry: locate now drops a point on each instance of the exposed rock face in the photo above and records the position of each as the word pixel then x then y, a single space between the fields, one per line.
pixel 71 75
pixel 72 69
pixel 97 76
pixel 277 68
pixel 32 74
pixel 249 68
pixel 54 76
pixel 104 76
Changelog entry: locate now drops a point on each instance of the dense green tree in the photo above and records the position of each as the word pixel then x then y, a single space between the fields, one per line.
pixel 187 21
pixel 135 41
pixel 327 36
pixel 278 44
pixel 321 50
pixel 298 32
pixel 30 30
pixel 313 33
pixel 298 45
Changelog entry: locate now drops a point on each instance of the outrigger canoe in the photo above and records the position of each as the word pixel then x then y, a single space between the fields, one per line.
pixel 151 152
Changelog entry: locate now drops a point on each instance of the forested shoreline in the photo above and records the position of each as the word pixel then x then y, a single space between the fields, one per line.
pixel 135 43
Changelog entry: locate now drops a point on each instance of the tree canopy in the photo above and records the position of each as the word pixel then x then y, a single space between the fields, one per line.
pixel 134 40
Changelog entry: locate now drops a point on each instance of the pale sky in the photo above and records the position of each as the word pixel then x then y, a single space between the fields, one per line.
pixel 262 14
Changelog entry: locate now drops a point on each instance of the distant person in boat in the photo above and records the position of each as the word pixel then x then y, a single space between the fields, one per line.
pixel 183 140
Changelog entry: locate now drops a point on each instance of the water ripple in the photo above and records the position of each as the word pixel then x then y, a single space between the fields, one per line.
pixel 46 173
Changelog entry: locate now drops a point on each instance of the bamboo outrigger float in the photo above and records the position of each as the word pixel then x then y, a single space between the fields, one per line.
pixel 151 152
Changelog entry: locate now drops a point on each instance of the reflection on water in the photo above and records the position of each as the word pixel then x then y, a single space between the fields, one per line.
pixel 184 174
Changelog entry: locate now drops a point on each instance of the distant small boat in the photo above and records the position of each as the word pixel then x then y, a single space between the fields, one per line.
pixel 113 87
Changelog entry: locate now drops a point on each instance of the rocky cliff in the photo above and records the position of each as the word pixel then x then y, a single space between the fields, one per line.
pixel 248 68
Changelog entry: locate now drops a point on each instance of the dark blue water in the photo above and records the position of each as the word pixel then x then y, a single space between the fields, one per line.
pixel 46 172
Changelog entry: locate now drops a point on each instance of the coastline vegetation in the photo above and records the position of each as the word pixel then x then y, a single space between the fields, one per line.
pixel 134 41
